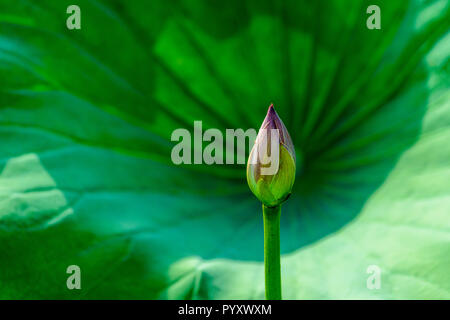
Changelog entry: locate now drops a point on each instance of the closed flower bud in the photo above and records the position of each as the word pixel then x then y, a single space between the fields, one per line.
pixel 271 164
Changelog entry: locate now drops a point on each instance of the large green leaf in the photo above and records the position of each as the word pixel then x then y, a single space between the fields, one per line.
pixel 85 123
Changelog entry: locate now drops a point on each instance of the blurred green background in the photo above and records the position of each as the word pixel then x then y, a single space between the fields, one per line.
pixel 86 177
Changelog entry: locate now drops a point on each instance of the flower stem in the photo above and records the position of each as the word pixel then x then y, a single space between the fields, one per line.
pixel 272 252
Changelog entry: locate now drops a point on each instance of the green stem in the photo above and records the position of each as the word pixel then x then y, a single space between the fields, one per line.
pixel 272 252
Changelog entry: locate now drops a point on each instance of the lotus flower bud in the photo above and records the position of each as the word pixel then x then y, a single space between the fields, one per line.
pixel 271 164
